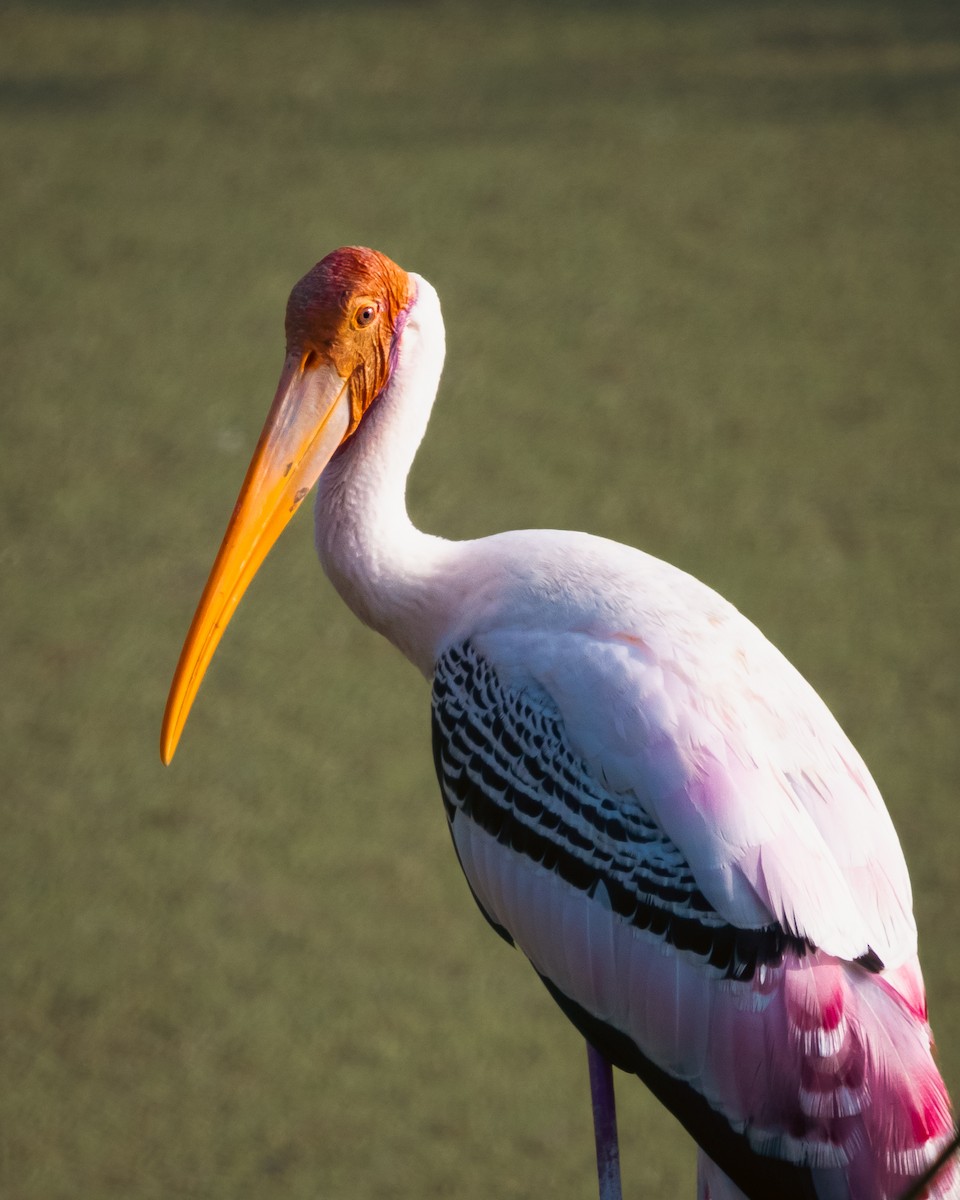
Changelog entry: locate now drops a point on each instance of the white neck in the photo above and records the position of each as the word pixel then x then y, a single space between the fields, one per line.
pixel 389 573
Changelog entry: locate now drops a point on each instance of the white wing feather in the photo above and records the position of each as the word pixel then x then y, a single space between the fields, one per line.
pixel 667 692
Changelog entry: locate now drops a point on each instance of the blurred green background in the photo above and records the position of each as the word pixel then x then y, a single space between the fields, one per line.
pixel 700 266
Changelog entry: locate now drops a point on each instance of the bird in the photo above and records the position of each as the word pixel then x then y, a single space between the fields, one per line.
pixel 646 798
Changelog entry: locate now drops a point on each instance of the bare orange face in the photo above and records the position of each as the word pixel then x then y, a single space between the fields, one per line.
pixel 343 321
pixel 345 312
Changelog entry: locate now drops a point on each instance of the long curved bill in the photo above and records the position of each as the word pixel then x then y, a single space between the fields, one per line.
pixel 308 420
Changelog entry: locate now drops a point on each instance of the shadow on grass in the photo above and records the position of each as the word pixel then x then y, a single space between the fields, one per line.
pixel 918 15
pixel 768 61
pixel 62 93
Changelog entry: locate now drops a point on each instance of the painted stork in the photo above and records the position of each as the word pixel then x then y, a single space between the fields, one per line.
pixel 645 797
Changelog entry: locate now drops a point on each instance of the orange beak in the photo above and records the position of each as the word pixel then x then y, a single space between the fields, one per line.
pixel 309 418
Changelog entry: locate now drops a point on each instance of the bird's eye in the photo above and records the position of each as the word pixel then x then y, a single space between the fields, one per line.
pixel 365 315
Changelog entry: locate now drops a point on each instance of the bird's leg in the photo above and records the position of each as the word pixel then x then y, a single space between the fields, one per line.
pixel 604 1125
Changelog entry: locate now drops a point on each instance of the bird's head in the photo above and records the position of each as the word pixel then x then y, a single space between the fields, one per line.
pixel 344 320
pixel 343 317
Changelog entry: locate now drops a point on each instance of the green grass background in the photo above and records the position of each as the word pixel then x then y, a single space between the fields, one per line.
pixel 700 266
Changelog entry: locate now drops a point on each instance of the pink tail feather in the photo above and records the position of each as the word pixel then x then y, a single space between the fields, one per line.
pixel 834 1069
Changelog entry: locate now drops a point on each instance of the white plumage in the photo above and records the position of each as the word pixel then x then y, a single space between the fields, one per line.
pixel 644 795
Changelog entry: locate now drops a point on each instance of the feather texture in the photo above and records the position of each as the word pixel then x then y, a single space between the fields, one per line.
pixel 660 812
pixel 807 1058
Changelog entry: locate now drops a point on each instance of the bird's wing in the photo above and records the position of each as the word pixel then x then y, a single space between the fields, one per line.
pixel 712 735
pixel 780 1060
pixel 506 768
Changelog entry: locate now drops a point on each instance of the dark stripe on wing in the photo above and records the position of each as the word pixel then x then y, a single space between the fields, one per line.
pixel 502 763
pixel 754 1174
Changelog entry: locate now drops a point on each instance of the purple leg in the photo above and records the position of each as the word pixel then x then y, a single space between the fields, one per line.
pixel 604 1125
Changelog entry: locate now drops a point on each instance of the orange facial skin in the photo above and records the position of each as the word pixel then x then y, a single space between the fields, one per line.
pixel 345 312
